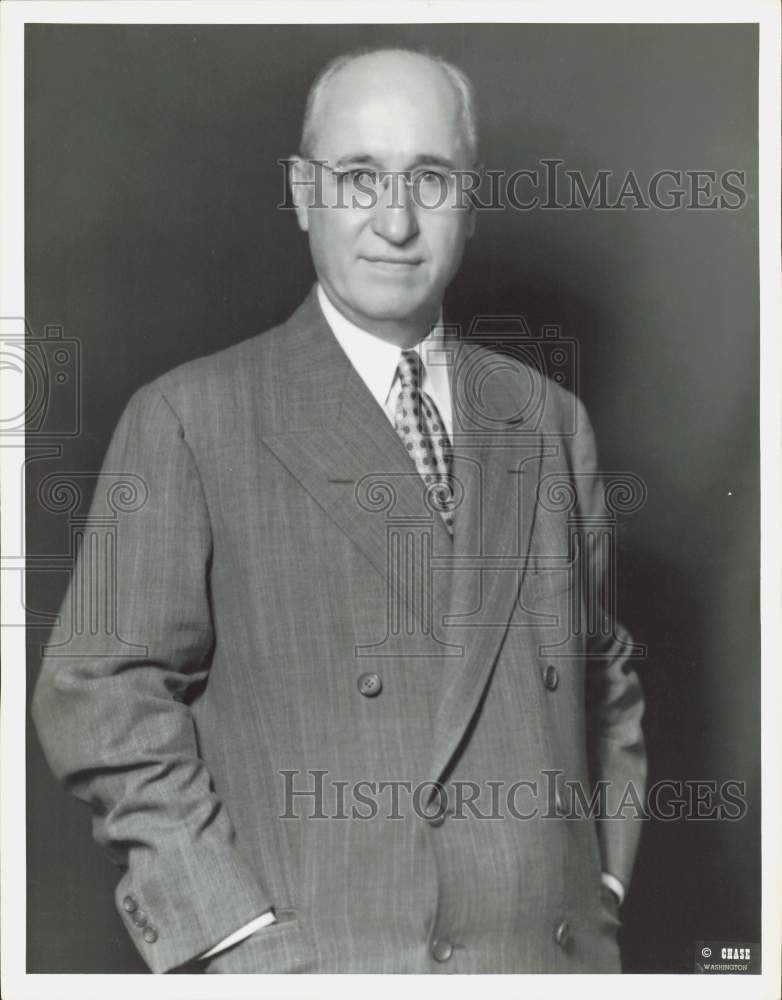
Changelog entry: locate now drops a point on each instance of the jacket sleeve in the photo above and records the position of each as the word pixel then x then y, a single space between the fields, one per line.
pixel 614 698
pixel 118 730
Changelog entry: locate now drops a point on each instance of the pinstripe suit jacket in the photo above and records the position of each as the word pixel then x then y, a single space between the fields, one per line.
pixel 296 619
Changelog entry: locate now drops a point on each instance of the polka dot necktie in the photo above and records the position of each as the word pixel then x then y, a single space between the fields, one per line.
pixel 420 427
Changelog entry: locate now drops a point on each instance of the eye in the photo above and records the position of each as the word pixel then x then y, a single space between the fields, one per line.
pixel 361 175
pixel 430 176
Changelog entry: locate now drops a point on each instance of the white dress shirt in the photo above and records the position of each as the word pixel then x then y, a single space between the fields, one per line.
pixel 376 361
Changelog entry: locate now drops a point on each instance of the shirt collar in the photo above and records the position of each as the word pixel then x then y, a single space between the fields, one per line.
pixel 374 359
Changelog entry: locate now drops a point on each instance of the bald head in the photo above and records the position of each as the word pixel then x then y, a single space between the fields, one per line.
pixel 417 83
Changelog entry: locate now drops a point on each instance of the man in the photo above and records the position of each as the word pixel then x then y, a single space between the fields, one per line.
pixel 351 576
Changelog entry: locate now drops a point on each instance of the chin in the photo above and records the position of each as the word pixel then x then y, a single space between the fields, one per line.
pixel 391 305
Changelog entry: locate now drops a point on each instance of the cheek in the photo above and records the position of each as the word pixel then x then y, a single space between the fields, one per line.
pixel 446 237
pixel 333 235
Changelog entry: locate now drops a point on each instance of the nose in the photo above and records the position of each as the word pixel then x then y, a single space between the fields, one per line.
pixel 394 216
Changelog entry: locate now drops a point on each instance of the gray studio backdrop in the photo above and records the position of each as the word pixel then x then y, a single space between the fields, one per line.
pixel 153 237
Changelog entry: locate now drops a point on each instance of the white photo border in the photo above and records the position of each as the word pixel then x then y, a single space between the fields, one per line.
pixel 14 15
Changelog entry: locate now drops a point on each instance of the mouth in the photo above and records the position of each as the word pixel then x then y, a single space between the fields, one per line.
pixel 392 263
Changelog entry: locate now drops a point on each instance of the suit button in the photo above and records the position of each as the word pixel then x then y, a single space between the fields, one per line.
pixel 150 934
pixel 441 950
pixel 562 933
pixel 139 918
pixel 370 685
pixel 551 677
pixel 129 904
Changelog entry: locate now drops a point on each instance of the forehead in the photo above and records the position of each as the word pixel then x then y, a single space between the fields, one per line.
pixel 392 108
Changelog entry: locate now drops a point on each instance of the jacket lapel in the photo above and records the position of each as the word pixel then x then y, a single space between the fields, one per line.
pixel 340 446
pixel 496 467
pixel 336 441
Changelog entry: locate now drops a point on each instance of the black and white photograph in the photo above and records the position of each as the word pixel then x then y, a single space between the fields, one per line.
pixel 390 466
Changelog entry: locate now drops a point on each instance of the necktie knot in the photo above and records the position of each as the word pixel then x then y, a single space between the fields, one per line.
pixel 410 370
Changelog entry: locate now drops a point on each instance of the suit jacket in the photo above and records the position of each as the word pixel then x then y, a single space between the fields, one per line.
pixel 291 616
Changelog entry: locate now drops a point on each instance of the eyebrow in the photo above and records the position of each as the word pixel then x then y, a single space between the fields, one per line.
pixel 429 159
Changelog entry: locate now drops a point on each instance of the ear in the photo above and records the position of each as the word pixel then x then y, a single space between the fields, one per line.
pixel 471 209
pixel 301 181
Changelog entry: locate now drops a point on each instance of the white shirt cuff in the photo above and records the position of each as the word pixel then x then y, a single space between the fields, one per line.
pixel 244 932
pixel 612 882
